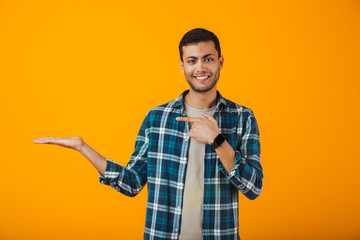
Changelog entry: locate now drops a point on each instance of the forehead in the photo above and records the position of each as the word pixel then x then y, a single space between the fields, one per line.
pixel 199 49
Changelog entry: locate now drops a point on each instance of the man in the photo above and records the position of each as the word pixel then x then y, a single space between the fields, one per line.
pixel 195 153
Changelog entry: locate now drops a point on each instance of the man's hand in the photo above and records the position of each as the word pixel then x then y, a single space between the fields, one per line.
pixel 78 144
pixel 202 130
pixel 75 143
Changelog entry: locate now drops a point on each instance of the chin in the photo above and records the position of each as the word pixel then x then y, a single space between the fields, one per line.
pixel 204 89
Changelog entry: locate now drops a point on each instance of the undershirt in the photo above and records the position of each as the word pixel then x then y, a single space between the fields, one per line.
pixel 192 213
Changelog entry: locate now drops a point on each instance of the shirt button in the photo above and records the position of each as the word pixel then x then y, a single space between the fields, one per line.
pixel 176 229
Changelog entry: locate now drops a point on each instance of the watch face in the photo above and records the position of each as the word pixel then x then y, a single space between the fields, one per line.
pixel 218 141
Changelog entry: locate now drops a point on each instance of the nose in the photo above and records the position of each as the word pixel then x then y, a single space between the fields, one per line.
pixel 201 67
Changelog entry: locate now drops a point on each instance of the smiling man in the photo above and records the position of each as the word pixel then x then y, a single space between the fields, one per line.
pixel 195 153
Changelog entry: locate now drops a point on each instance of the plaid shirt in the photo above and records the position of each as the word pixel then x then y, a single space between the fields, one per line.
pixel 160 160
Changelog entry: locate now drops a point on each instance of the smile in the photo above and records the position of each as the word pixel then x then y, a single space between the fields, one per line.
pixel 202 77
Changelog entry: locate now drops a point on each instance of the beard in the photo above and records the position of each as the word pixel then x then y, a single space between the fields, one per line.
pixel 215 78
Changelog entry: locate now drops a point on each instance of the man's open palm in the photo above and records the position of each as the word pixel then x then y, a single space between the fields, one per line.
pixel 72 142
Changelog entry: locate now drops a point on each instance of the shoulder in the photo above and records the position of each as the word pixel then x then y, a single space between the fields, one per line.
pixel 237 109
pixel 166 107
pixel 244 116
pixel 163 110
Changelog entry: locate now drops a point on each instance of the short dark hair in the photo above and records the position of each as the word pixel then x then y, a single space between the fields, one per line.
pixel 199 35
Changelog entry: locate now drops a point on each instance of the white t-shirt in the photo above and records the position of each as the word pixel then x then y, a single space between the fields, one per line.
pixel 192 213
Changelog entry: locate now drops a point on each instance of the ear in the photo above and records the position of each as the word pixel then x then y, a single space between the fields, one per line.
pixel 221 60
pixel 182 66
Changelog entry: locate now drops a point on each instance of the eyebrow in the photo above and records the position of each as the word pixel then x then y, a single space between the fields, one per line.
pixel 205 56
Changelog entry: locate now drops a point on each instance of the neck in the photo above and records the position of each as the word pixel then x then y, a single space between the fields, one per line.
pixel 201 100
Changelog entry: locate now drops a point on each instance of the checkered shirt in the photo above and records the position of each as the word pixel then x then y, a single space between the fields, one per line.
pixel 160 160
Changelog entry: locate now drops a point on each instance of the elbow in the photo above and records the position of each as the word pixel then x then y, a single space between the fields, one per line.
pixel 130 191
pixel 130 194
pixel 129 186
pixel 131 183
pixel 135 190
pixel 252 196
pixel 255 191
pixel 251 193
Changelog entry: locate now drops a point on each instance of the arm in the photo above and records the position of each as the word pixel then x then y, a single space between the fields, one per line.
pixel 227 156
pixel 247 173
pixel 241 166
pixel 131 179
pixel 128 180
pixel 78 144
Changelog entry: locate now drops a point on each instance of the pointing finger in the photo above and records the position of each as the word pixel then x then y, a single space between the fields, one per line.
pixel 186 119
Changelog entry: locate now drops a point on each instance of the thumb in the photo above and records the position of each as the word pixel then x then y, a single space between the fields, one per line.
pixel 209 117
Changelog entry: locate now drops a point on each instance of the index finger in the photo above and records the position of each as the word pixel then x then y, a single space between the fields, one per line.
pixel 186 119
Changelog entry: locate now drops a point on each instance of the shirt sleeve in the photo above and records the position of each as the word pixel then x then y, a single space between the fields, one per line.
pixel 131 179
pixel 247 174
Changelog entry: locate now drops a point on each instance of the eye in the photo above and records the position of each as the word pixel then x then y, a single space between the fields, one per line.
pixel 209 59
pixel 191 61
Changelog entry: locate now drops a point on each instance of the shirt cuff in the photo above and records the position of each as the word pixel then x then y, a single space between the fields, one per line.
pixel 112 172
pixel 234 175
pixel 233 172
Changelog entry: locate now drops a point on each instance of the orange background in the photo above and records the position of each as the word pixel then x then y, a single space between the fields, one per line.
pixel 93 69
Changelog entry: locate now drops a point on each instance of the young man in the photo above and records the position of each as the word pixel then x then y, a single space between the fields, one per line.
pixel 195 153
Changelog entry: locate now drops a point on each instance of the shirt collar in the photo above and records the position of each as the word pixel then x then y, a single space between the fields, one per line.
pixel 179 102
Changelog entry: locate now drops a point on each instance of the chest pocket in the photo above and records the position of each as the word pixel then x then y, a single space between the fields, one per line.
pixel 232 132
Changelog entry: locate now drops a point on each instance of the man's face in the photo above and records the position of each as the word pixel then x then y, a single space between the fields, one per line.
pixel 201 65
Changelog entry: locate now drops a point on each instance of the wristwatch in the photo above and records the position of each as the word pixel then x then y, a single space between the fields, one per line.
pixel 218 141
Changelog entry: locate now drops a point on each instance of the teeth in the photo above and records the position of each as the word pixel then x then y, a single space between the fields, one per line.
pixel 201 78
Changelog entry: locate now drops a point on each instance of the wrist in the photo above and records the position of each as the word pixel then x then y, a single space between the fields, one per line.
pixel 82 147
pixel 218 141
pixel 212 137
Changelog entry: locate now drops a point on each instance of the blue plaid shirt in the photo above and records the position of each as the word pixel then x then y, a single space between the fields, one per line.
pixel 160 160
